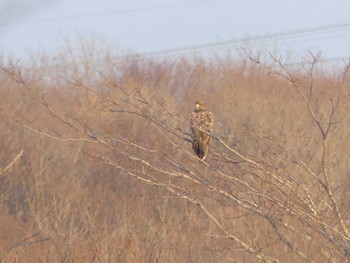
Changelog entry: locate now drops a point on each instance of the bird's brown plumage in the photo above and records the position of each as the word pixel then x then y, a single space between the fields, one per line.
pixel 201 127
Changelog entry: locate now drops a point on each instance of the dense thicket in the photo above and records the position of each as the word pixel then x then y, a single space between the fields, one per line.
pixel 103 170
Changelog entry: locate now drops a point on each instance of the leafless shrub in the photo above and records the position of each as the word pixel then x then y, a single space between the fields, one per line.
pixel 272 190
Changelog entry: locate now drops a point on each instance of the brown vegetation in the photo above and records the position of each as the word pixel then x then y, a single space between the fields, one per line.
pixel 97 166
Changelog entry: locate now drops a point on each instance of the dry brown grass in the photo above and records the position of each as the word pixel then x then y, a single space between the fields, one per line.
pixel 97 166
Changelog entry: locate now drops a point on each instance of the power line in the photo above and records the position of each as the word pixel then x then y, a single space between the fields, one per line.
pixel 114 12
pixel 255 39
pixel 258 39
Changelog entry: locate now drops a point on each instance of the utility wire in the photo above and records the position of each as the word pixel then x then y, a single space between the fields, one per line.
pixel 258 39
pixel 254 40
pixel 238 42
pixel 114 12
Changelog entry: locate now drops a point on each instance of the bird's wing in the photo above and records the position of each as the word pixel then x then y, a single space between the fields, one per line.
pixel 209 122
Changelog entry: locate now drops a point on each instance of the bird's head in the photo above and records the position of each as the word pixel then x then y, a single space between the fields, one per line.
pixel 200 106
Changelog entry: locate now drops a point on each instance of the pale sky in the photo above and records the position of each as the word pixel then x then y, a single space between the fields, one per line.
pixel 28 26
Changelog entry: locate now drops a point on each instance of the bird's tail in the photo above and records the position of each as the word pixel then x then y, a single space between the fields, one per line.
pixel 202 150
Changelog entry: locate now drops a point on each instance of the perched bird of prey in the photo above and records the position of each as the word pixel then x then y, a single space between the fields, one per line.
pixel 201 127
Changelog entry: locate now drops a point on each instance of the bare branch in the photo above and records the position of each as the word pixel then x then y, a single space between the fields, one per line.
pixel 4 170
